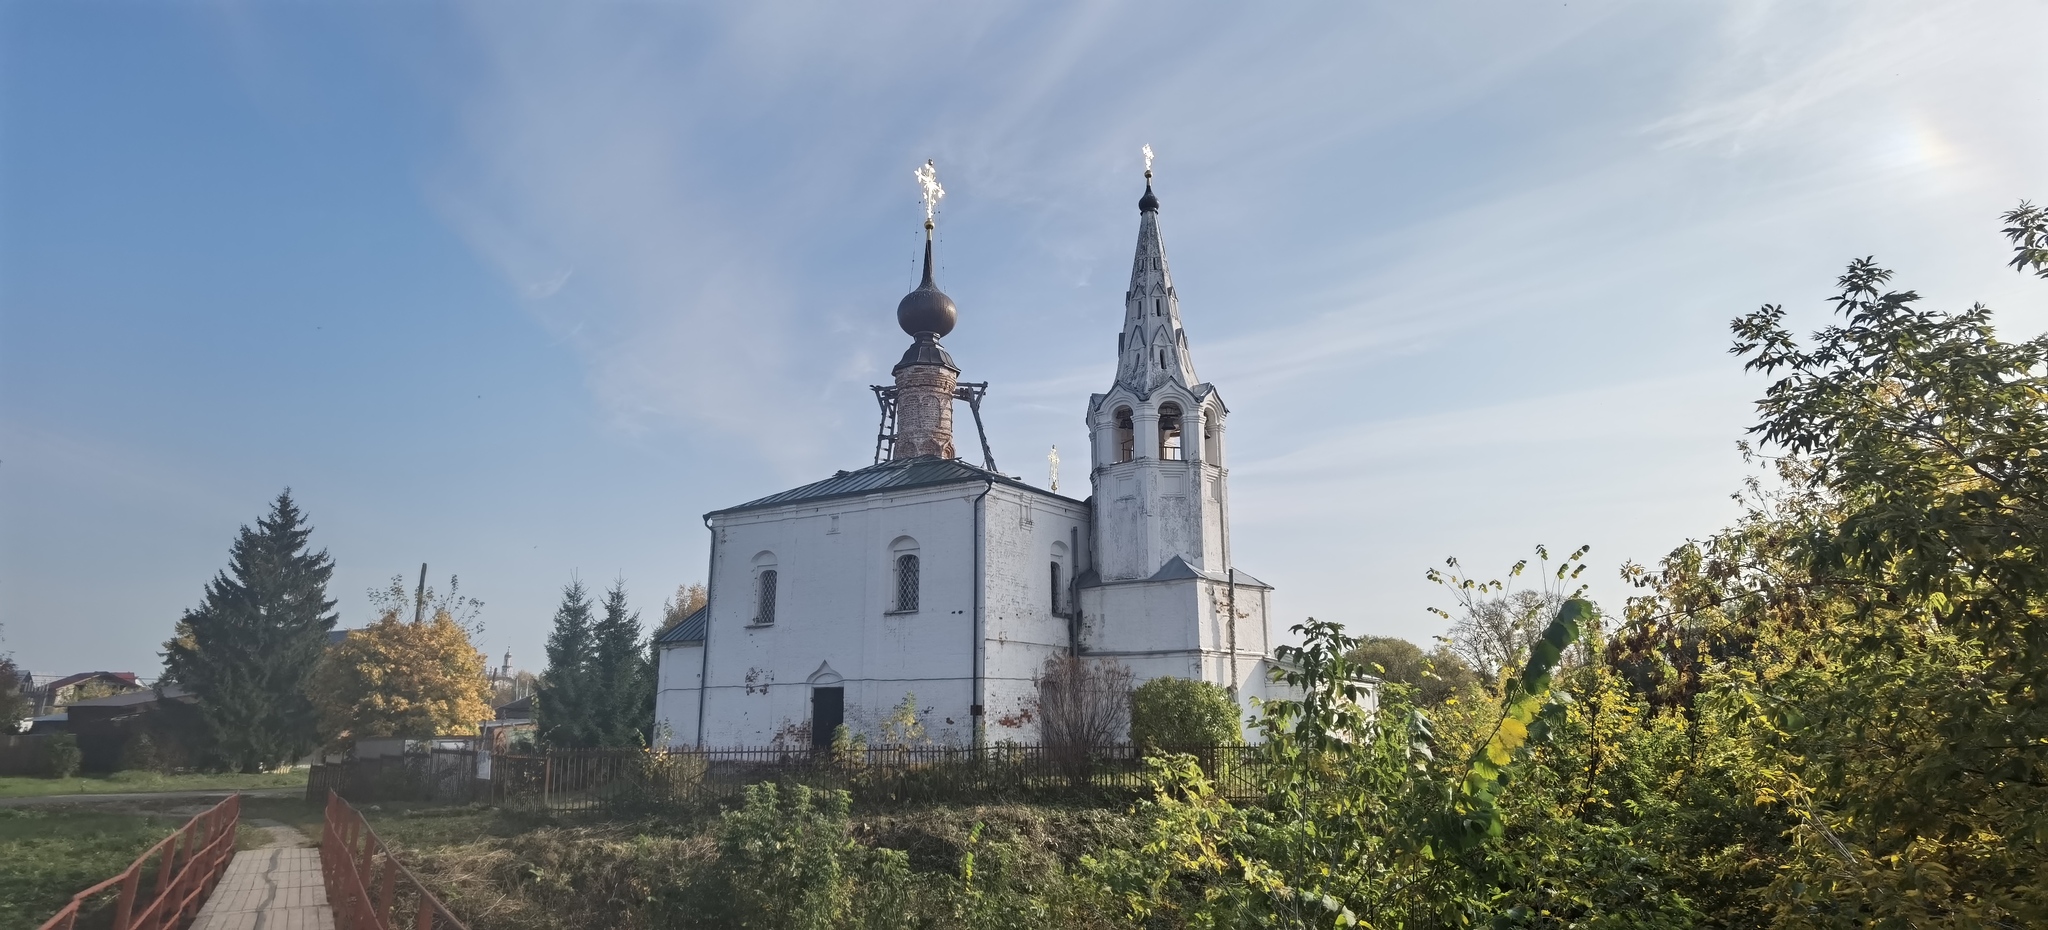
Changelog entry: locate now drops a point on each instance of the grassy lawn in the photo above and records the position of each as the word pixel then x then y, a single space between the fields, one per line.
pixel 130 782
pixel 48 854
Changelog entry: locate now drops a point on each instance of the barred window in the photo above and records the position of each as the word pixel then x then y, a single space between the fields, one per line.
pixel 1055 588
pixel 765 610
pixel 906 582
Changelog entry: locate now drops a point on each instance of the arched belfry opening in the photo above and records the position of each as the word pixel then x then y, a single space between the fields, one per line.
pixel 1169 432
pixel 1126 434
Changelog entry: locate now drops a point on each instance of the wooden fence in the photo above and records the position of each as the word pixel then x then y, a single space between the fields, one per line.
pixel 366 885
pixel 23 755
pixel 187 864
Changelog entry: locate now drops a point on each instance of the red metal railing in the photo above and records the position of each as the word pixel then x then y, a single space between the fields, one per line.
pixel 366 885
pixel 188 864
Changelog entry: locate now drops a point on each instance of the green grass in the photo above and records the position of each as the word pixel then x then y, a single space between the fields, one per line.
pixel 134 782
pixel 49 854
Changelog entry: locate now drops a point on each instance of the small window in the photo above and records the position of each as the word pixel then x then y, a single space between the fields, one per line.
pixel 906 583
pixel 1055 588
pixel 1169 432
pixel 1125 437
pixel 765 598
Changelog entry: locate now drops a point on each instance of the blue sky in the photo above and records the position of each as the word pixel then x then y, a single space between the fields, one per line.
pixel 523 289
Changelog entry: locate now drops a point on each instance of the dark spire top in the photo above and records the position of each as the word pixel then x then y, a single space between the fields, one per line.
pixel 1148 203
pixel 927 309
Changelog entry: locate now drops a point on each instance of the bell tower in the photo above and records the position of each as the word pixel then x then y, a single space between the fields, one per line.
pixel 1158 466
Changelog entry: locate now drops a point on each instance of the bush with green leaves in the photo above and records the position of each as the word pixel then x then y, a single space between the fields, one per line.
pixel 1182 713
pixel 60 755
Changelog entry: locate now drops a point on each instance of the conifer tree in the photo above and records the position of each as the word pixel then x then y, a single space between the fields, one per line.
pixel 563 703
pixel 619 671
pixel 247 649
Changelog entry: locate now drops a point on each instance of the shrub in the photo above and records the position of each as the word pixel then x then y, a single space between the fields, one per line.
pixel 782 862
pixel 61 755
pixel 140 753
pixel 1174 712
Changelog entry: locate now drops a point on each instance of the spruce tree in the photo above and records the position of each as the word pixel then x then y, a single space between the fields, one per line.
pixel 247 650
pixel 619 672
pixel 563 703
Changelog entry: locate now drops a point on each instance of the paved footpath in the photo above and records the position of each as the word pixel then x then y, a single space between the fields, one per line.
pixel 277 887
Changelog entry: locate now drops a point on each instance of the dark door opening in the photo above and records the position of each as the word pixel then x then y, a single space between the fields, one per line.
pixel 828 711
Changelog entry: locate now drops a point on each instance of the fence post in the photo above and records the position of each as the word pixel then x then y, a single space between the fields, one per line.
pixel 384 894
pixel 125 907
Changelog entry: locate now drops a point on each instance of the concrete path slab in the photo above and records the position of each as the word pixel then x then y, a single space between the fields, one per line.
pixel 278 887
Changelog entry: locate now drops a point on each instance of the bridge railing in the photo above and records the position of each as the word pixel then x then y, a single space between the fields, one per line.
pixel 165 887
pixel 367 887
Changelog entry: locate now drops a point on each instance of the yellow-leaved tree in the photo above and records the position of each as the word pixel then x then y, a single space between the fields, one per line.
pixel 401 677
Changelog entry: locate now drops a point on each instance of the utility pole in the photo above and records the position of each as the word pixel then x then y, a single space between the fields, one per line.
pixel 419 597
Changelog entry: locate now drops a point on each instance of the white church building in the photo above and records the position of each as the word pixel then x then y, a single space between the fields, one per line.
pixel 928 575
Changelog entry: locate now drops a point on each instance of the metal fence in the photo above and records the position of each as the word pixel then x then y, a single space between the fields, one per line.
pixel 631 780
pixel 185 865
pixel 366 884
pixel 444 775
pixel 626 780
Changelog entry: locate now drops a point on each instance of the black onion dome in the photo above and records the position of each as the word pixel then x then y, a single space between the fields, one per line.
pixel 1148 203
pixel 927 309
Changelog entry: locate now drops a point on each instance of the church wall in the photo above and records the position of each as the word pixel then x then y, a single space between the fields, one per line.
pixel 1143 616
pixel 1025 533
pixel 677 679
pixel 834 623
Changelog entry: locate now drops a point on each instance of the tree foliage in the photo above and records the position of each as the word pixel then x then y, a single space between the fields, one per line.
pixel 1183 713
pixel 598 688
pixel 687 599
pixel 1437 676
pixel 620 676
pixel 396 677
pixel 247 649
pixel 1897 647
pixel 15 705
pixel 566 701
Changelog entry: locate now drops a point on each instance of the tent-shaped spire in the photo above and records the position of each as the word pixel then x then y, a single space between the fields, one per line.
pixel 1152 347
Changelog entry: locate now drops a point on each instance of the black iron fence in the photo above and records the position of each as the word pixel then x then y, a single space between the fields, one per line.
pixel 625 781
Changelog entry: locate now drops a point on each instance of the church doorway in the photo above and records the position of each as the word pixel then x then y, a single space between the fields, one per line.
pixel 828 711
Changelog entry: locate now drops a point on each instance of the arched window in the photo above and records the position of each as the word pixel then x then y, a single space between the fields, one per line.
pixel 1212 436
pixel 1125 437
pixel 906 582
pixel 1169 432
pixel 764 597
pixel 1055 588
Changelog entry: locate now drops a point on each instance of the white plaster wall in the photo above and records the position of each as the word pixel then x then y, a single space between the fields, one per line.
pixel 835 590
pixel 1021 629
pixel 678 675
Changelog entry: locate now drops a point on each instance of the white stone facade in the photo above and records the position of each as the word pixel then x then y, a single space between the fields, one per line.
pixel 984 618
pixel 1007 575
